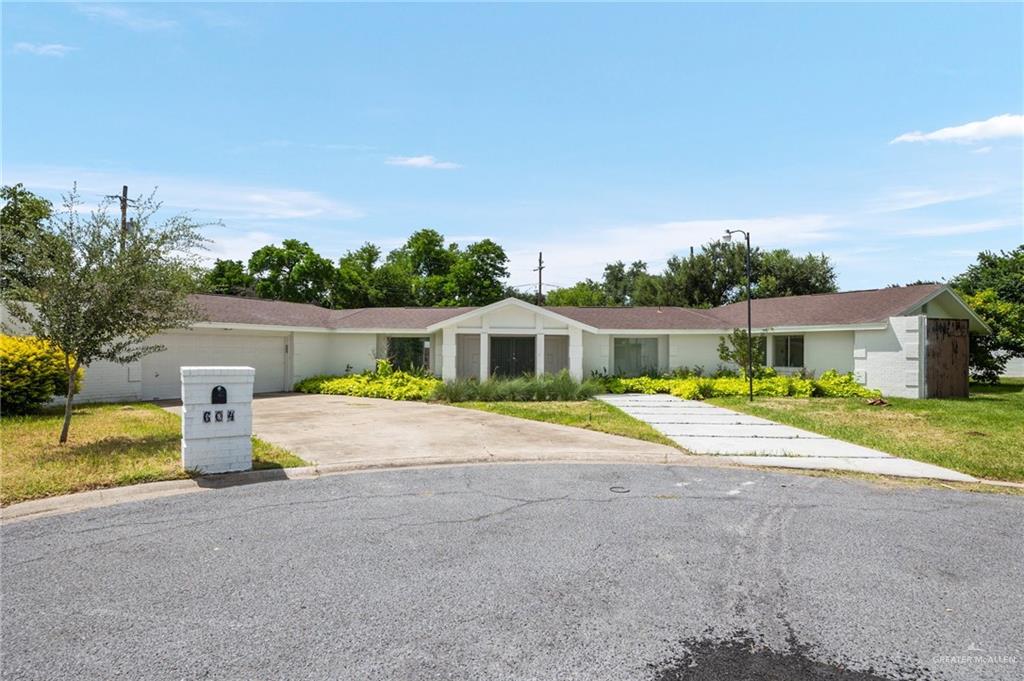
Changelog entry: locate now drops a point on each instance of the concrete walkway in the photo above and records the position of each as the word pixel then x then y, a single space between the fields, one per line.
pixel 738 438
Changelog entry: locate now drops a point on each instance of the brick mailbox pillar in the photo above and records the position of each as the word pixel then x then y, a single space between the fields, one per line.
pixel 216 419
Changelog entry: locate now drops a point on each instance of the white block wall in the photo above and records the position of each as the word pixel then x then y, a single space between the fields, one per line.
pixel 892 359
pixel 209 445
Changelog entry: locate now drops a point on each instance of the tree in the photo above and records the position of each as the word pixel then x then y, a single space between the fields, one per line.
pixel 21 218
pixel 587 293
pixel 228 277
pixel 620 284
pixel 994 288
pixel 780 273
pixel 98 294
pixel 293 272
pixel 477 276
pixel 733 348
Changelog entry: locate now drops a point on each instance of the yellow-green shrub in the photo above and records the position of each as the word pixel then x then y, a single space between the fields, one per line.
pixel 384 382
pixel 834 384
pixel 32 372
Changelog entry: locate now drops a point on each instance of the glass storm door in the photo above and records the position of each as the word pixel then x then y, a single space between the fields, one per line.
pixel 513 356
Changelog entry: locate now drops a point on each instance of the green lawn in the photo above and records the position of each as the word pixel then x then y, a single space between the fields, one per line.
pixel 109 445
pixel 982 436
pixel 589 414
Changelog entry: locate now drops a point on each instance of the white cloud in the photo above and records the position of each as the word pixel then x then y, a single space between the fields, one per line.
pixel 44 49
pixel 981 150
pixel 421 162
pixel 1005 125
pixel 237 246
pixel 212 200
pixel 128 18
pixel 957 229
pixel 909 199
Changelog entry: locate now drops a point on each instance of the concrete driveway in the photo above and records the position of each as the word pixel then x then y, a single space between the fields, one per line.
pixel 330 429
pixel 605 572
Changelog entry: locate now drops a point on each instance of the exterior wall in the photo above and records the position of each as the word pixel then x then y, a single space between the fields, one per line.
pixel 310 355
pixel 826 350
pixel 110 382
pixel 597 348
pixel 892 359
pixel 357 351
pixel 1015 368
pixel 694 350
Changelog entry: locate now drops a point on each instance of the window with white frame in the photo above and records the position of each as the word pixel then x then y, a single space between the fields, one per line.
pixel 635 356
pixel 788 351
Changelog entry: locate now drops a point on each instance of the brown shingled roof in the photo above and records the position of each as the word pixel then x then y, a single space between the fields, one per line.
pixel 640 317
pixel 851 307
pixel 237 310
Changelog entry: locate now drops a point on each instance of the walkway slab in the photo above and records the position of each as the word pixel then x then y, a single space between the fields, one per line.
pixel 749 440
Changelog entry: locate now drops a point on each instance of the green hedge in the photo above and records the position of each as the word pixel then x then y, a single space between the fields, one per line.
pixel 32 372
pixel 547 387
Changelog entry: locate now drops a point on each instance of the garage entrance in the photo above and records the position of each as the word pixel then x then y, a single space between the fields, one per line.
pixel 513 355
pixel 161 376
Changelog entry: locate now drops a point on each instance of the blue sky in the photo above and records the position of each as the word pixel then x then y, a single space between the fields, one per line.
pixel 887 136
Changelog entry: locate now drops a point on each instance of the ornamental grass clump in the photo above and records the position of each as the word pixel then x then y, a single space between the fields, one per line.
pixel 547 387
pixel 383 382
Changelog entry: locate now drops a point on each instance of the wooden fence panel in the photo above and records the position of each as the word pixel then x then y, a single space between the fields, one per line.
pixel 946 367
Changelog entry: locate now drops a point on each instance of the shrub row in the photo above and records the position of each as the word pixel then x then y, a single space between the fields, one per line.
pixel 32 372
pixel 547 387
pixel 829 384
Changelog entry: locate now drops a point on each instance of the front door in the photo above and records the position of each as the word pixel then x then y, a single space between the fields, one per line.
pixel 513 355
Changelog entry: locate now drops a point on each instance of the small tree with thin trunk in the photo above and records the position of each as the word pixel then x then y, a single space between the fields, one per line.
pixel 98 291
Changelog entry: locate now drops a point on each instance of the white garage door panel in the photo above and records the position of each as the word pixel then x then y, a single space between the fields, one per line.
pixel 161 377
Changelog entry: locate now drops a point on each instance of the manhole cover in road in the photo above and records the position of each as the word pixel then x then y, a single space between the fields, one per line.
pixel 619 490
pixel 741 658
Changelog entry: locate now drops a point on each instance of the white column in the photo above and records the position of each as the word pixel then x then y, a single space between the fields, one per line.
pixel 576 353
pixel 448 350
pixel 485 356
pixel 539 361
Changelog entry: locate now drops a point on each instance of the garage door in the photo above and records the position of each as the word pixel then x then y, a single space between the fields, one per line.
pixel 161 377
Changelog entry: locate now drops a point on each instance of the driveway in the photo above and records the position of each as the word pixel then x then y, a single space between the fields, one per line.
pixel 611 572
pixel 330 429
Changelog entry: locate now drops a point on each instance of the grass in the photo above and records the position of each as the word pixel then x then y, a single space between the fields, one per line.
pixel 110 445
pixel 590 414
pixel 982 435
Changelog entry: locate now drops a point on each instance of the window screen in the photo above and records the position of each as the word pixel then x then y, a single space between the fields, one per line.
pixel 636 356
pixel 788 351
pixel 409 353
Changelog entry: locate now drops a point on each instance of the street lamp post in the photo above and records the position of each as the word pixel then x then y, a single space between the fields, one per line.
pixel 727 238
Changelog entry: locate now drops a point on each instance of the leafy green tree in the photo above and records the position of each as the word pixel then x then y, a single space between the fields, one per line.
pixel 228 277
pixel 21 219
pixel 293 272
pixel 477 276
pixel 587 293
pixel 780 273
pixel 353 286
pixel 620 283
pixel 98 294
pixel 994 288
pixel 734 348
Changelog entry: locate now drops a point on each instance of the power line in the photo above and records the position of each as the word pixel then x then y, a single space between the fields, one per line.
pixel 540 278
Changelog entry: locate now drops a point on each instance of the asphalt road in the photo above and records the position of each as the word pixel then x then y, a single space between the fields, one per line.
pixel 523 572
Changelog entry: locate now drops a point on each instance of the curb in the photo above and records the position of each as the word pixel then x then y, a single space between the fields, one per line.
pixel 99 498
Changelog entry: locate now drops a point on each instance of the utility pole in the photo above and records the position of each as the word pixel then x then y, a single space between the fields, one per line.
pixel 540 278
pixel 123 198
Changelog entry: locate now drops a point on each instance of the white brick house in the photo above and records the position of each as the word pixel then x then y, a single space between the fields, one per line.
pixel 880 335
